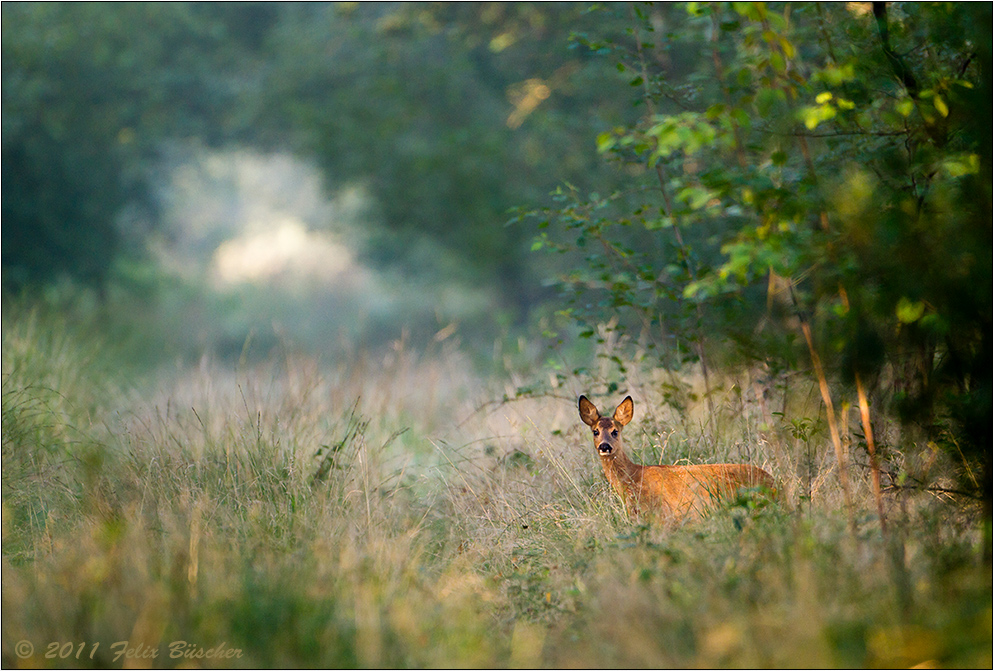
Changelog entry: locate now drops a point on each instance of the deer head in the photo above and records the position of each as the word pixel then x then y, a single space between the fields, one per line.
pixel 607 430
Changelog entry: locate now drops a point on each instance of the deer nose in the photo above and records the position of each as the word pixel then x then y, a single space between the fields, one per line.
pixel 604 448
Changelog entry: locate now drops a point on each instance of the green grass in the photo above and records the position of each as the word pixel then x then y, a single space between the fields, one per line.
pixel 369 513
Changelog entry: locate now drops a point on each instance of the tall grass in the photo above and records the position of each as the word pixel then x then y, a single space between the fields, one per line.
pixel 384 512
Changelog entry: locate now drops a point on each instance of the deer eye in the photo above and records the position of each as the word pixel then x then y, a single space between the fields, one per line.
pixel 614 434
pixel 596 432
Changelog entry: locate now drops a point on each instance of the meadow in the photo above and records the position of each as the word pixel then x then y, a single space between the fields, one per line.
pixel 405 509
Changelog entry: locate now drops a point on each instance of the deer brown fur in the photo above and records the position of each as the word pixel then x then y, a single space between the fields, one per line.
pixel 672 494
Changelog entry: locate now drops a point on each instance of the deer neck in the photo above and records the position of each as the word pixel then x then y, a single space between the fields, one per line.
pixel 621 472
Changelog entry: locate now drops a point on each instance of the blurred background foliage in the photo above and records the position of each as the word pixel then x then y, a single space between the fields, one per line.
pixel 447 116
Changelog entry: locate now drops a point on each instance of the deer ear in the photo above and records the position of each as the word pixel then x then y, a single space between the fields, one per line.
pixel 625 411
pixel 588 412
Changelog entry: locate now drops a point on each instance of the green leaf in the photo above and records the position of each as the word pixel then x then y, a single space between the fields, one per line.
pixel 788 48
pixel 812 116
pixel 835 75
pixel 958 165
pixel 656 224
pixel 940 105
pixel 935 324
pixel 777 61
pixel 909 312
pixel 715 111
pixel 605 142
pixel 695 197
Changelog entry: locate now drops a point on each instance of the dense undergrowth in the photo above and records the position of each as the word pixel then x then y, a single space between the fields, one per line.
pixel 382 511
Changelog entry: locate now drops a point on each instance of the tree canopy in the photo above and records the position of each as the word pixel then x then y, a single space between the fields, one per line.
pixel 812 183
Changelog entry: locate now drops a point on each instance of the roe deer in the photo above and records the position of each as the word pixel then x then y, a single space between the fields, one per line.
pixel 672 494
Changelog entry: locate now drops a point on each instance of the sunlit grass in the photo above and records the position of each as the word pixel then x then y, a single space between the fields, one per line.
pixel 379 512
